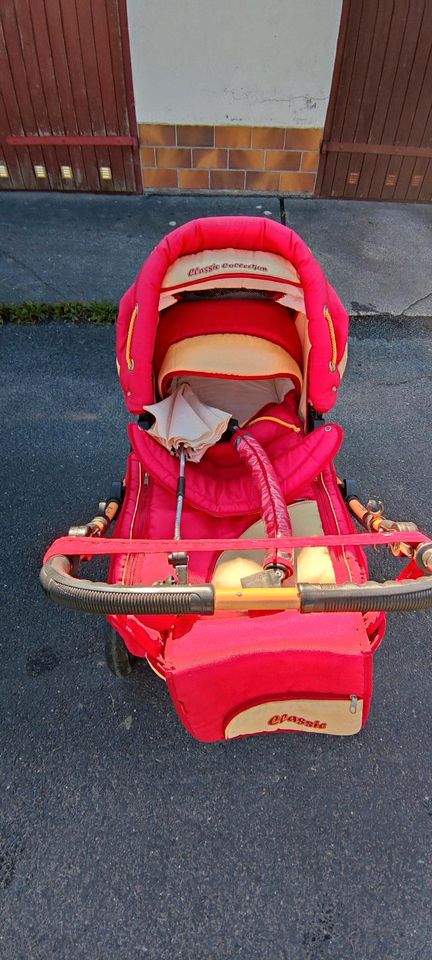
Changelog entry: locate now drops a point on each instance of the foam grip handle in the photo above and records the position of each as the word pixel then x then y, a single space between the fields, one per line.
pixel 109 598
pixel 392 595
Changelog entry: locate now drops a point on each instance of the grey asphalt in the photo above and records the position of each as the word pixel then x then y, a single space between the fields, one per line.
pixel 120 836
pixel 56 247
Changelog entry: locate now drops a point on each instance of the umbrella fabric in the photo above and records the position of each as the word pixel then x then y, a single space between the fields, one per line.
pixel 181 420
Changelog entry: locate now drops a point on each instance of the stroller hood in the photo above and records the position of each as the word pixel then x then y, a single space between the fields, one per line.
pixel 246 253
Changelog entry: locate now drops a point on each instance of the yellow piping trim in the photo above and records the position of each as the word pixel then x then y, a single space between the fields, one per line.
pixel 330 324
pixel 283 423
pixel 129 359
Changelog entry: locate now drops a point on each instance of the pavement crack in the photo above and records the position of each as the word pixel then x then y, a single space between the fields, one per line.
pixel 26 266
pixel 401 383
pixel 415 302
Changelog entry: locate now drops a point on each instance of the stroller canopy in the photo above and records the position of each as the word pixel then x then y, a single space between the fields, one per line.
pixel 233 254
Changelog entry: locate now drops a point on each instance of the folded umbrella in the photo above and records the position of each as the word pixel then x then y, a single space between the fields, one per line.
pixel 183 422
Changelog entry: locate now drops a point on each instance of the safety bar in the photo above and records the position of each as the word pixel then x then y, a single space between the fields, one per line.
pixel 203 600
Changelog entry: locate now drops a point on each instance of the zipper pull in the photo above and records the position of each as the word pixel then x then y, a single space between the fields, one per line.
pixel 354 702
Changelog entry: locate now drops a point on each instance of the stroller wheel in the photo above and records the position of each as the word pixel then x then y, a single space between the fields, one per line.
pixel 119 660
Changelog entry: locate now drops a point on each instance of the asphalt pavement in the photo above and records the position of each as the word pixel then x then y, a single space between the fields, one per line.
pixel 120 836
pixel 71 247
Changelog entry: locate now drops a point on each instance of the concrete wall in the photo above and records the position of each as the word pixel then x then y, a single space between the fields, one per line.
pixel 260 62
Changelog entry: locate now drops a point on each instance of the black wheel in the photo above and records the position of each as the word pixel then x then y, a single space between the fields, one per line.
pixel 119 660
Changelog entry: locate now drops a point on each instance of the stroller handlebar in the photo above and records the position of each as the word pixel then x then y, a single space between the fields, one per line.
pixel 204 599
pixel 109 598
pixel 390 596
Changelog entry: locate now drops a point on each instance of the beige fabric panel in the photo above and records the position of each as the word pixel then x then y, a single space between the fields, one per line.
pixel 291 296
pixel 249 269
pixel 231 354
pixel 241 398
pixel 228 260
pixel 343 362
pixel 301 324
pixel 310 716
pixel 313 564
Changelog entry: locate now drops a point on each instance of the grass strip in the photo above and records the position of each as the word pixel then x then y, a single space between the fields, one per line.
pixel 28 312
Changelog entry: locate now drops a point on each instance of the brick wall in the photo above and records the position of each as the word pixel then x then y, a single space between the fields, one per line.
pixel 187 157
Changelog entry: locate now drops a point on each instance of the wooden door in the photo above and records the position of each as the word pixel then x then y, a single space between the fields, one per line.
pixel 378 133
pixel 67 119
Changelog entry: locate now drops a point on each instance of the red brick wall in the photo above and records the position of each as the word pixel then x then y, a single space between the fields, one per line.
pixel 275 159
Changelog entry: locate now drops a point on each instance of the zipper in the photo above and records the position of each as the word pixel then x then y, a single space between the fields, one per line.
pixel 129 358
pixel 139 516
pixel 328 514
pixel 142 510
pixel 330 324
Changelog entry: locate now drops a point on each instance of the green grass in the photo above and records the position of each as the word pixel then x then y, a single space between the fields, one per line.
pixel 28 312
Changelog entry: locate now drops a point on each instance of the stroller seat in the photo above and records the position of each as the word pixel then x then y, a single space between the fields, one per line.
pixel 256 377
pixel 312 564
pixel 245 374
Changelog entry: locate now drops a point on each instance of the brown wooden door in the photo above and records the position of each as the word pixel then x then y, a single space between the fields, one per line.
pixel 378 133
pixel 67 120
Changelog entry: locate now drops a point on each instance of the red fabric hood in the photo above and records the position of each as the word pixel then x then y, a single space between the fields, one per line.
pixel 327 320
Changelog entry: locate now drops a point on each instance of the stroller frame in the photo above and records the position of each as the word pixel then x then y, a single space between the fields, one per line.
pixel 251 669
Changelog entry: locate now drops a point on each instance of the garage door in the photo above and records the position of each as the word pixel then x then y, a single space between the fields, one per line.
pixel 66 107
pixel 378 133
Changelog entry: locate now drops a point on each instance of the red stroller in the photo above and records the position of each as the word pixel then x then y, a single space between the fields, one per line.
pixel 236 570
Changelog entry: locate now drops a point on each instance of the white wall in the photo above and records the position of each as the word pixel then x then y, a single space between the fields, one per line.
pixel 267 62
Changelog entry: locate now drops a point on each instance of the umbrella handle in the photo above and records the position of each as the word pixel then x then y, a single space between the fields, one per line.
pixel 181 489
